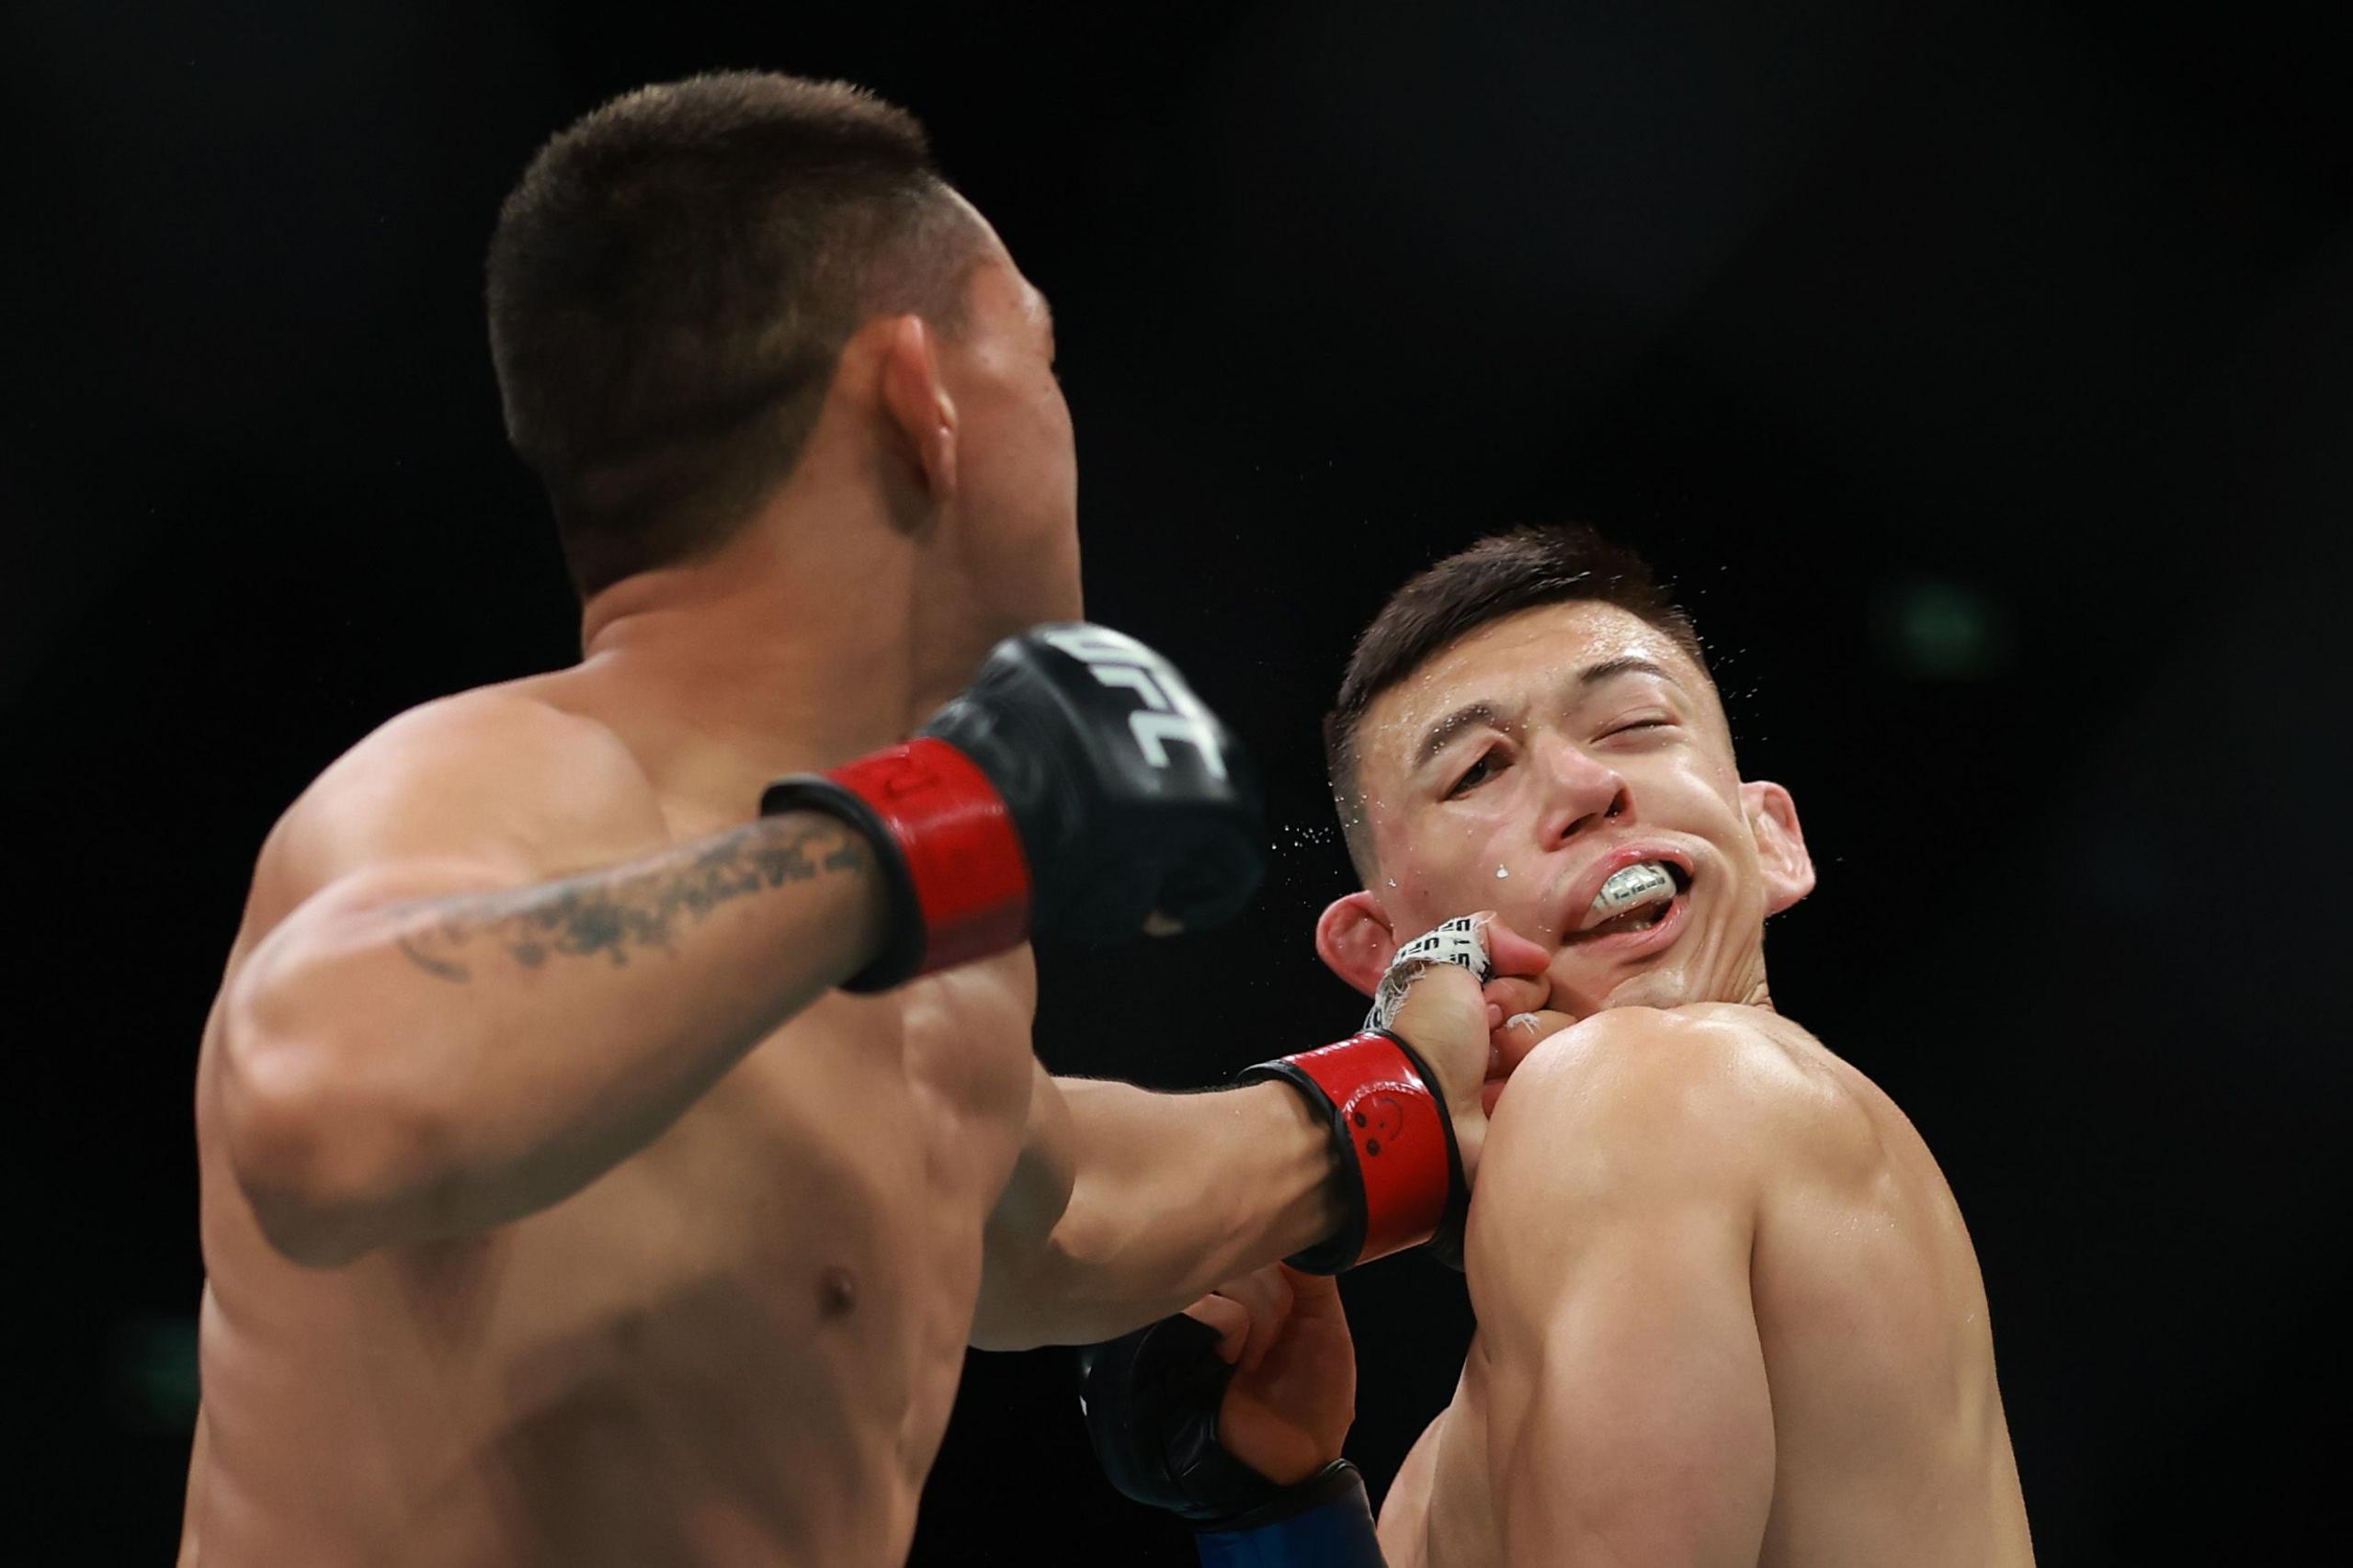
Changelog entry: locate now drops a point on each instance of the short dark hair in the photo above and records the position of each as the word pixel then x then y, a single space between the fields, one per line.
pixel 671 285
pixel 1498 577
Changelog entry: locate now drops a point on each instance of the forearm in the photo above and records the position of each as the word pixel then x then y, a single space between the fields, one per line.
pixel 1171 1196
pixel 435 1066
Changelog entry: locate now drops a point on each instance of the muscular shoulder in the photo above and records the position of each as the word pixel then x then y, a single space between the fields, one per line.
pixel 479 738
pixel 1639 1104
pixel 495 778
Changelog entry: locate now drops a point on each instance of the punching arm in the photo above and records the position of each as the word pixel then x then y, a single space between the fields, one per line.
pixel 476 976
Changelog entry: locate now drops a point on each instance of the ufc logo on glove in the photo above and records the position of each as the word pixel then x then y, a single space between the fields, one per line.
pixel 1170 712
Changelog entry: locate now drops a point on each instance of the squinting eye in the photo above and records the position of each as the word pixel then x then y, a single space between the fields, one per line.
pixel 1643 724
pixel 1480 772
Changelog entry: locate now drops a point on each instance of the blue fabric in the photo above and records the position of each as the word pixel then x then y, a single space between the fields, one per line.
pixel 1336 1534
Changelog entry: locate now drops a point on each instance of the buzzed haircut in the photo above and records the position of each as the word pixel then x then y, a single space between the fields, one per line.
pixel 1496 577
pixel 671 283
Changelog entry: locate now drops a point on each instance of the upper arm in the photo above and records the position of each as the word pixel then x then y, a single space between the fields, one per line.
pixel 469 794
pixel 1021 1224
pixel 1609 1256
pixel 1038 1191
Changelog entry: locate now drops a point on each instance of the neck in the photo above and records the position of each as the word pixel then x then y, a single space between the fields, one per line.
pixel 1743 984
pixel 1748 987
pixel 796 644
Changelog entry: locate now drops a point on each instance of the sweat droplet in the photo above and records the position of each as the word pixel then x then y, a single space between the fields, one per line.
pixel 1500 872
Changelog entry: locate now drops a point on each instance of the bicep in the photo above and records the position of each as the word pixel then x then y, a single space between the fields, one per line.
pixel 1039 1190
pixel 1018 1237
pixel 1643 1428
pixel 1629 1415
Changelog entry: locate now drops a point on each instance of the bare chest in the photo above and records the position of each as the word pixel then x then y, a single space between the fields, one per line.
pixel 819 1212
pixel 749 1332
pixel 814 1221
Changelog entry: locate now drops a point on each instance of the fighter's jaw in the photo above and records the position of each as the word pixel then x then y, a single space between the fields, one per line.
pixel 1658 985
pixel 1695 961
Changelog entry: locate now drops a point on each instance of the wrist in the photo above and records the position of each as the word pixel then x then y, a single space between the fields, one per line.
pixel 1324 1522
pixel 1398 1181
pixel 948 861
pixel 1307 1163
pixel 857 922
pixel 868 918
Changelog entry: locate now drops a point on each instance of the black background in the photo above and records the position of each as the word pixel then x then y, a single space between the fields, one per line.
pixel 1980 371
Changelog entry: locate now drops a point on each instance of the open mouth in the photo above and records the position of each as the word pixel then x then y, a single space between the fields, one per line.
pixel 1638 898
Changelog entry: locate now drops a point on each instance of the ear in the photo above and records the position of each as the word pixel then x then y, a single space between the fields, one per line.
pixel 918 405
pixel 1355 942
pixel 1780 844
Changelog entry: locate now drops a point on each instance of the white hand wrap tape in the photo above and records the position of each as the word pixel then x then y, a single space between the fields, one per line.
pixel 1458 942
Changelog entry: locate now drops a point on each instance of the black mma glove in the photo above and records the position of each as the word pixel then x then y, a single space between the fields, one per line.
pixel 1151 1399
pixel 1078 789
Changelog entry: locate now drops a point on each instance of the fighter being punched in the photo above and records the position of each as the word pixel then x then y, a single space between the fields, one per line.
pixel 1728 1313
pixel 619 1112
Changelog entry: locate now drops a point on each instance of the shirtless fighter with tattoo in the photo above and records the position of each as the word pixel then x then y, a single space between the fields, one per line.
pixel 1728 1313
pixel 619 1112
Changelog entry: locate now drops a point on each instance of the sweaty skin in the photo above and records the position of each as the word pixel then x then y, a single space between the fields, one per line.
pixel 1728 1311
pixel 556 1207
pixel 739 1344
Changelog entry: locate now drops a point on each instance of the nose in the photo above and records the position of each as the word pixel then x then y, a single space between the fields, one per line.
pixel 1580 791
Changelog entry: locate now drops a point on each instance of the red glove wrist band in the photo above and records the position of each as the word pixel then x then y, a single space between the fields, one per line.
pixel 1395 1135
pixel 959 884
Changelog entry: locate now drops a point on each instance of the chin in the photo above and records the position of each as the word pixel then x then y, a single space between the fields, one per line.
pixel 1653 988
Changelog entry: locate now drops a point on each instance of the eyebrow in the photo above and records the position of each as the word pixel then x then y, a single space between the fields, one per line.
pixel 1435 739
pixel 1629 665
